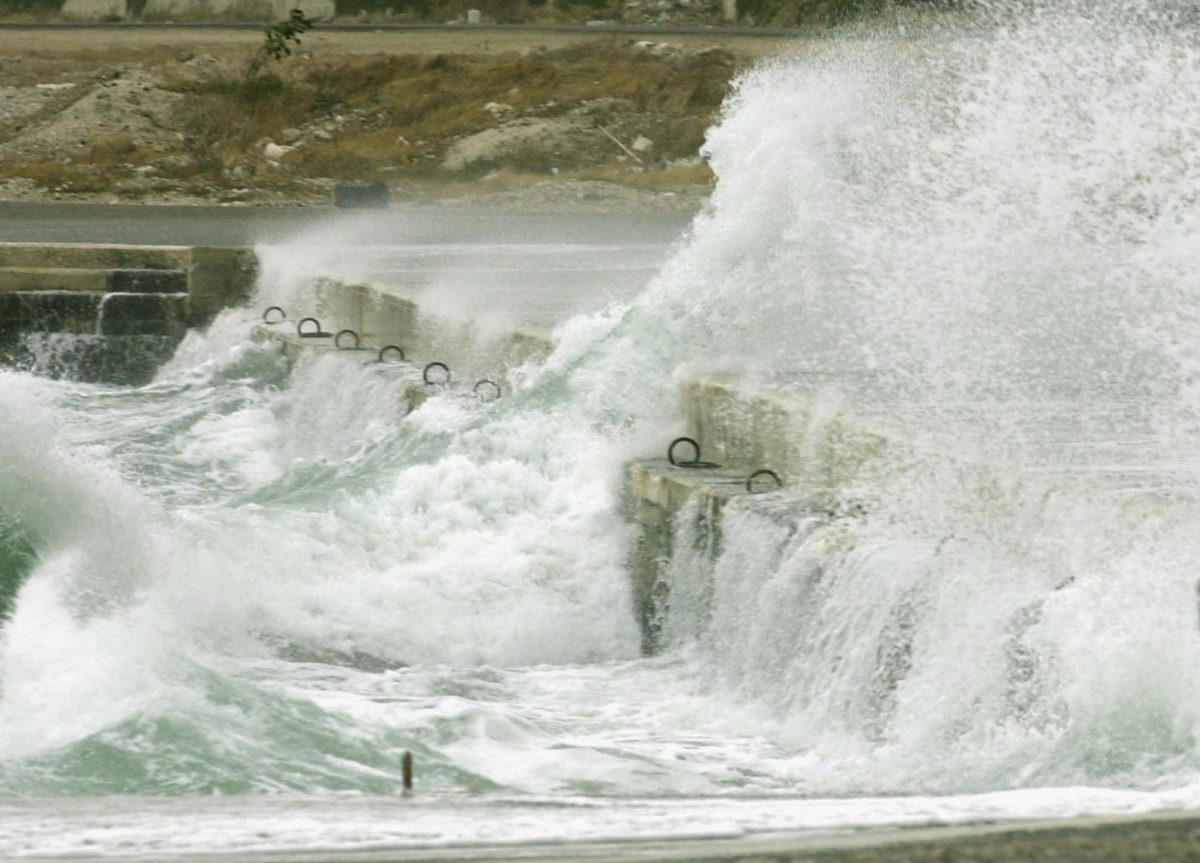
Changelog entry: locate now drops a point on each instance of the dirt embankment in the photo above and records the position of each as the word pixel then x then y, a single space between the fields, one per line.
pixel 178 115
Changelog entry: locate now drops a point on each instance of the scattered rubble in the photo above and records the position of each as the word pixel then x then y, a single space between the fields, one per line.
pixel 130 131
pixel 130 104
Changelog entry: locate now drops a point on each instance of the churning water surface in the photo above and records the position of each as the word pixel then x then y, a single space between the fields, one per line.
pixel 233 598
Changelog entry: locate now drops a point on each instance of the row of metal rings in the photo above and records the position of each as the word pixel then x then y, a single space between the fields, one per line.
pixel 485 389
pixel 695 462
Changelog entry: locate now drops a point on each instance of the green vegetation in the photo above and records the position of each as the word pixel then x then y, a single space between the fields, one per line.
pixel 275 44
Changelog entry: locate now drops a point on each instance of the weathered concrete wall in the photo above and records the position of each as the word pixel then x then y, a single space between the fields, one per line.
pixel 233 10
pixel 194 10
pixel 218 277
pixel 93 10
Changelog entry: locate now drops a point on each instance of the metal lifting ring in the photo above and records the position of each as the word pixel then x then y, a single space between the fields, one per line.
pixel 383 352
pixel 764 472
pixel 436 365
pixel 318 333
pixel 677 442
pixel 495 391
pixel 695 461
pixel 282 315
pixel 337 340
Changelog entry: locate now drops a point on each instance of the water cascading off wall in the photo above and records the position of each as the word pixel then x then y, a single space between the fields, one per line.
pixel 985 234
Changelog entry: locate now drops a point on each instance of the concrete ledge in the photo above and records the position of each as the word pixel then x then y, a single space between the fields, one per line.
pixel 659 483
pixel 13 279
pixel 821 448
pixel 148 281
pixel 125 281
pixel 94 256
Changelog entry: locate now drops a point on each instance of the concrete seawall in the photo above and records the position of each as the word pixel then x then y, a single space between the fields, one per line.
pixel 213 277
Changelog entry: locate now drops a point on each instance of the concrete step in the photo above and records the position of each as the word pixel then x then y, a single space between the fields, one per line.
pixel 93 256
pixel 14 279
pixel 216 276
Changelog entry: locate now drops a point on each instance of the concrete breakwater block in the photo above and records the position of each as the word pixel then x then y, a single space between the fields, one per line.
pixel 817 452
pixel 94 256
pixel 656 492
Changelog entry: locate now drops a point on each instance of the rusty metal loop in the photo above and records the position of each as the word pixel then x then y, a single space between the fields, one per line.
pixel 491 390
pixel 383 352
pixel 318 333
pixel 282 315
pixel 763 472
pixel 693 462
pixel 337 340
pixel 436 365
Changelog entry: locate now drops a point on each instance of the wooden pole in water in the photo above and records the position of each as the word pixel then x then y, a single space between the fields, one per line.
pixel 406 770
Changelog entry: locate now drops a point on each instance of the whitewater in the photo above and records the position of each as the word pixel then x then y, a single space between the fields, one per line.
pixel 232 599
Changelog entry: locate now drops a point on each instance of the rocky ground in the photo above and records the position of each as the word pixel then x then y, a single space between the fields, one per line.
pixel 550 120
